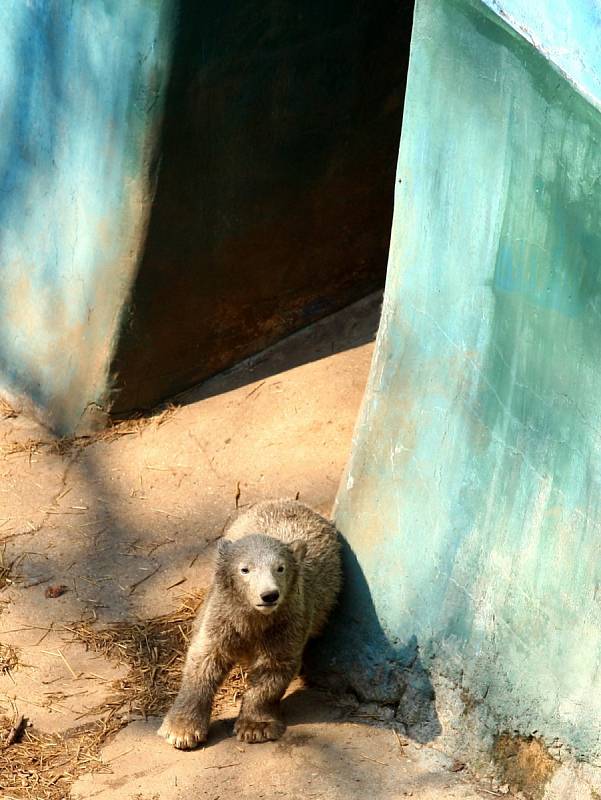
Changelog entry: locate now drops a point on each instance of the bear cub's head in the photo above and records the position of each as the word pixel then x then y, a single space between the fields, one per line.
pixel 262 570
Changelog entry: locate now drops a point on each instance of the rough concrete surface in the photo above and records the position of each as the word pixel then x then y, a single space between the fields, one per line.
pixel 322 755
pixel 472 502
pixel 123 520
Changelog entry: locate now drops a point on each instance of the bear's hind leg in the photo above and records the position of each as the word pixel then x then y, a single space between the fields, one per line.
pixel 260 719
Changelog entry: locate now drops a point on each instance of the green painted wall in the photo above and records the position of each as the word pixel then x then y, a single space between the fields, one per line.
pixel 472 502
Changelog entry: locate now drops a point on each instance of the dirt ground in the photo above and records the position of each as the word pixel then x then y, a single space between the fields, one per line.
pixel 99 538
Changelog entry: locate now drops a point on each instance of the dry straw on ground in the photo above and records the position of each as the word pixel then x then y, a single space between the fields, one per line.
pixel 8 570
pixel 9 659
pixel 6 410
pixel 8 575
pixel 115 429
pixel 43 766
pixel 154 650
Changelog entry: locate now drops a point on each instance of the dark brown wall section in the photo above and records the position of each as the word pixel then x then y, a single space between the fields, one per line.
pixel 275 183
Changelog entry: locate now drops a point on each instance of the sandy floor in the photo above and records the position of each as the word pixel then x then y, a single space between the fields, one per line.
pixel 126 526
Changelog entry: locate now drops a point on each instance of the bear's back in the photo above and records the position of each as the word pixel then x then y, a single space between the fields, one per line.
pixel 288 521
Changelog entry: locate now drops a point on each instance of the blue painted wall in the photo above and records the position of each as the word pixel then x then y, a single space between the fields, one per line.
pixel 472 501
pixel 81 87
pixel 254 136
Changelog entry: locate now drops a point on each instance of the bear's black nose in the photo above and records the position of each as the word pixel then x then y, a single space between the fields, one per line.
pixel 270 597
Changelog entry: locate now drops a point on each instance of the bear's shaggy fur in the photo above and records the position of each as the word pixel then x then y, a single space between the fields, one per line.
pixel 277 577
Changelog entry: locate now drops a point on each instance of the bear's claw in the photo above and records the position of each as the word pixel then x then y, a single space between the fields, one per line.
pixel 254 731
pixel 182 731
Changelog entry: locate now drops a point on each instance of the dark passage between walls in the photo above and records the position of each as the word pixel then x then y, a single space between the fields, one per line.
pixel 275 186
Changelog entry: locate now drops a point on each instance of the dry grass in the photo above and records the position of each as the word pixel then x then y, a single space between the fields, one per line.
pixel 6 410
pixel 115 430
pixel 8 575
pixel 154 650
pixel 32 447
pixel 43 766
pixel 134 426
pixel 9 659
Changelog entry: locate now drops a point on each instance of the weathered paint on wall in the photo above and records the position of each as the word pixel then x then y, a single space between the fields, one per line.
pixel 81 88
pixel 181 186
pixel 566 32
pixel 472 501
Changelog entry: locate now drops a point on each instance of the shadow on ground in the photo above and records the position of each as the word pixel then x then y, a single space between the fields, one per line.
pixel 355 656
pixel 333 334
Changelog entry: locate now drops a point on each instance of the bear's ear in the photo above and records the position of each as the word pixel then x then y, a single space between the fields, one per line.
pixel 299 549
pixel 223 548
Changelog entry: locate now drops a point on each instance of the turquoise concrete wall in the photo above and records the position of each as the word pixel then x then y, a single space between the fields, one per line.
pixel 81 88
pixel 472 501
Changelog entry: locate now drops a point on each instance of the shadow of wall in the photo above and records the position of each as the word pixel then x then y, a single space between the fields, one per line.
pixel 274 197
pixel 355 655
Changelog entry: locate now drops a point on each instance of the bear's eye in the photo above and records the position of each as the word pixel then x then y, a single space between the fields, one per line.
pixel 281 568
pixel 244 570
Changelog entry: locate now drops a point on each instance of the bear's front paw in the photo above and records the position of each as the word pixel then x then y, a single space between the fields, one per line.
pixel 253 731
pixel 184 731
